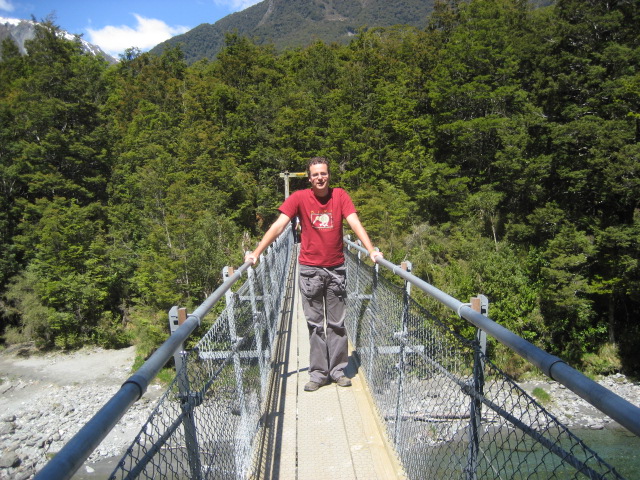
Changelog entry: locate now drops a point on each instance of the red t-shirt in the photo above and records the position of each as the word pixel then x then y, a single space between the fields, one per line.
pixel 321 222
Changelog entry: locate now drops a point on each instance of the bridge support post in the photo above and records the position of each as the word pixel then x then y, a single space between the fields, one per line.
pixel 177 316
pixel 479 304
pixel 230 299
pixel 372 310
pixel 258 327
pixel 357 296
pixel 406 266
pixel 269 296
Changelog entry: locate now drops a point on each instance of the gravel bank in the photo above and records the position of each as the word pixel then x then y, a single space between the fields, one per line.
pixel 46 399
pixel 575 412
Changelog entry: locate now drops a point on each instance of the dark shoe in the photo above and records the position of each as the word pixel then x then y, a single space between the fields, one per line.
pixel 311 386
pixel 344 381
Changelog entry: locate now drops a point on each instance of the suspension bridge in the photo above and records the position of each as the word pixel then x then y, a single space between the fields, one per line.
pixel 425 401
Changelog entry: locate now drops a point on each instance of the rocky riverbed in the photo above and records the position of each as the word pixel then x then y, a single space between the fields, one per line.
pixel 575 412
pixel 46 399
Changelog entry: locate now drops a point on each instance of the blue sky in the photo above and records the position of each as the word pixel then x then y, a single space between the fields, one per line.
pixel 115 25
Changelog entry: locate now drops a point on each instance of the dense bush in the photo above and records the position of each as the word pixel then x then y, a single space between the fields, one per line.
pixel 497 150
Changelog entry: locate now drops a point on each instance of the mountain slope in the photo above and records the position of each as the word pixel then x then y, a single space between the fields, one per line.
pixel 21 31
pixel 296 23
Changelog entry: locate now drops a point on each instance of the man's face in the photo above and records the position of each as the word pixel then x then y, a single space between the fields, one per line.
pixel 319 179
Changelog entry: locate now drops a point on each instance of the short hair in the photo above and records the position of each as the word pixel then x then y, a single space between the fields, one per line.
pixel 317 161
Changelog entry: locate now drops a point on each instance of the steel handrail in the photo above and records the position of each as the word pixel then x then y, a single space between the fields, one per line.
pixel 616 407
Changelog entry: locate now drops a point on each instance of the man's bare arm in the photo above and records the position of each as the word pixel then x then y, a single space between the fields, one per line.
pixel 361 233
pixel 274 232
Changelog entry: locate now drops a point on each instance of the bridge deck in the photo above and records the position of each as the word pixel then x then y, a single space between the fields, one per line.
pixel 332 433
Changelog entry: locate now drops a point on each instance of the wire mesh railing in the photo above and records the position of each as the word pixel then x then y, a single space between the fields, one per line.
pixel 448 410
pixel 205 425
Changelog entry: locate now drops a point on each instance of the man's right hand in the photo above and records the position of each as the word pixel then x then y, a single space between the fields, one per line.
pixel 375 254
pixel 250 257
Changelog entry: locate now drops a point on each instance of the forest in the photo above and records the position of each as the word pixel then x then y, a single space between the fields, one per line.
pixel 497 150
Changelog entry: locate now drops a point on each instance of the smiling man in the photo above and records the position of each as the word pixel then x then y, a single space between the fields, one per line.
pixel 321 210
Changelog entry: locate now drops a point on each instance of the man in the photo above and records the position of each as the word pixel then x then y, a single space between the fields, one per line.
pixel 322 277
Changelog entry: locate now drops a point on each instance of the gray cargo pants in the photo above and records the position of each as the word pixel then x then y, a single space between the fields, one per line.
pixel 324 295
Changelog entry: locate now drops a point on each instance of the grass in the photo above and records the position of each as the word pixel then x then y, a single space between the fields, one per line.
pixel 165 375
pixel 605 362
pixel 541 395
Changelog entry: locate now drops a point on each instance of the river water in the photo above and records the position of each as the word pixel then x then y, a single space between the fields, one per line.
pixel 616 446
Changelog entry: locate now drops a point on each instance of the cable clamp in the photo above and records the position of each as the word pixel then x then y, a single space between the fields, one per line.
pixel 460 307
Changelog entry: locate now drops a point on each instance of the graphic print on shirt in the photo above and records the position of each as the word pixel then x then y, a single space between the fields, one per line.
pixel 322 220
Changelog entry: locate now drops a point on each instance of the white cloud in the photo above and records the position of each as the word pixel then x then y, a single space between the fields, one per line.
pixel 236 5
pixel 147 34
pixel 6 6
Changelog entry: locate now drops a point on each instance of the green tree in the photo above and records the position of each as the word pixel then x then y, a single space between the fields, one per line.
pixel 70 275
pixel 585 85
pixel 475 93
pixel 565 294
pixel 388 214
pixel 54 157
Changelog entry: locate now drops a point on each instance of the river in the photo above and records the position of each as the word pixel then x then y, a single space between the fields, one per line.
pixel 616 446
